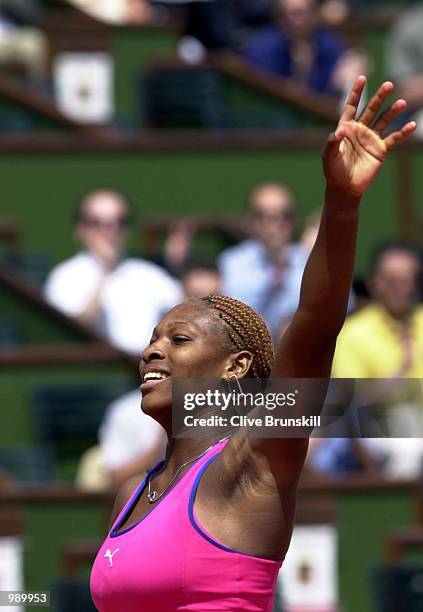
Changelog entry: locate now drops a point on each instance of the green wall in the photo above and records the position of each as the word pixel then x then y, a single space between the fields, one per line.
pixel 48 528
pixel 132 49
pixel 365 520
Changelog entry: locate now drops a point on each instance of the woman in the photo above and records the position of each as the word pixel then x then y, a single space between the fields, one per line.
pixel 208 529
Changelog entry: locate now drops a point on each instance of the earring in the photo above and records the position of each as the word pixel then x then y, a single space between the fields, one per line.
pixel 237 382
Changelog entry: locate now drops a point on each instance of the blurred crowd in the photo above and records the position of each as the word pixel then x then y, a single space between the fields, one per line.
pixel 293 39
pixel 304 41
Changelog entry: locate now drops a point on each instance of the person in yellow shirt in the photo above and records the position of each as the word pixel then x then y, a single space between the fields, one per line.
pixel 385 338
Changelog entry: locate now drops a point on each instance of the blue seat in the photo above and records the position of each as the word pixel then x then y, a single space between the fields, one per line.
pixel 35 266
pixel 178 98
pixel 398 588
pixel 27 463
pixel 203 98
pixel 69 595
pixel 67 418
pixel 10 332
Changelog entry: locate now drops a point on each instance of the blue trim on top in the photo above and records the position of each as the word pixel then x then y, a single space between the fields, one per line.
pixel 194 523
pixel 114 533
pixel 205 535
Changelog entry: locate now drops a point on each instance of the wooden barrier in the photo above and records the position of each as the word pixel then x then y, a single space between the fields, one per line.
pixel 400 542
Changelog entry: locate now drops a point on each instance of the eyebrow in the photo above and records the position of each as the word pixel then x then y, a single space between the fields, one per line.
pixel 180 323
pixel 175 324
pixel 189 324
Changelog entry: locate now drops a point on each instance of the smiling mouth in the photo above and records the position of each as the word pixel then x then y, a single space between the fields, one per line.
pixel 151 379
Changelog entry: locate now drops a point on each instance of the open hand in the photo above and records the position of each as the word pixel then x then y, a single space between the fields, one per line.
pixel 357 149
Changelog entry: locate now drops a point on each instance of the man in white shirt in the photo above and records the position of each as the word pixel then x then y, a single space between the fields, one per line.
pixel 121 298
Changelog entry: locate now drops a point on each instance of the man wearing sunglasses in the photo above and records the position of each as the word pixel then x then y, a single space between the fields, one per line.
pixel 121 298
pixel 265 271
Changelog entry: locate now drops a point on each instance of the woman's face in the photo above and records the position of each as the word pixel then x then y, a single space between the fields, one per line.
pixel 187 343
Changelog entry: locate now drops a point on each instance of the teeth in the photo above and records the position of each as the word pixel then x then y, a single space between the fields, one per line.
pixel 154 376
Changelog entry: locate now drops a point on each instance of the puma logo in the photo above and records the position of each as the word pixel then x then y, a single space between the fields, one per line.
pixel 109 555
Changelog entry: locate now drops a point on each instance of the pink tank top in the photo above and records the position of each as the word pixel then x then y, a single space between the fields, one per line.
pixel 167 561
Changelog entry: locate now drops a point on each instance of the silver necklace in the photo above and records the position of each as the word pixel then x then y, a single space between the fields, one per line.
pixel 154 496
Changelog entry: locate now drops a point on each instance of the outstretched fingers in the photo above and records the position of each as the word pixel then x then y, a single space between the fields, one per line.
pixel 375 103
pixel 388 116
pixel 351 105
pixel 399 136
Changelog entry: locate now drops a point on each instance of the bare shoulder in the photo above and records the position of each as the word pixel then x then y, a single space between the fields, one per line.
pixel 123 494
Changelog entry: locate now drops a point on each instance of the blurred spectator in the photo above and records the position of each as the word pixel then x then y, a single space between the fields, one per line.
pixel 21 41
pixel 385 340
pixel 130 442
pixel 392 324
pixel 200 278
pixel 334 12
pixel 298 48
pixel 116 11
pixel 265 271
pixel 138 11
pixel 195 241
pixel 247 17
pixel 404 58
pixel 339 456
pixel 219 24
pixel 206 25
pixel 177 245
pixel 121 298
pixel 402 458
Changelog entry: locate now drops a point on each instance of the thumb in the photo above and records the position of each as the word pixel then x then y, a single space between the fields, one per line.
pixel 332 145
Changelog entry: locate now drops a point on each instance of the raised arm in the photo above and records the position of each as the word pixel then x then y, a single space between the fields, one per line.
pixel 352 158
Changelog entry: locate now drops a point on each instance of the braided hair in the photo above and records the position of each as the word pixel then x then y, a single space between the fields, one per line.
pixel 247 331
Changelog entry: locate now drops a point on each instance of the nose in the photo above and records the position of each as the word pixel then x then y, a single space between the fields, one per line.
pixel 153 351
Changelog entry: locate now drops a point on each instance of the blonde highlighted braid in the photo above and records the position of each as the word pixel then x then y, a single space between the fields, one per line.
pixel 247 330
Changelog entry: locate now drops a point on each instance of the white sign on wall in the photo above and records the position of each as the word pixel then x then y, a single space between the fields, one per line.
pixel 11 573
pixel 84 86
pixel 308 578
